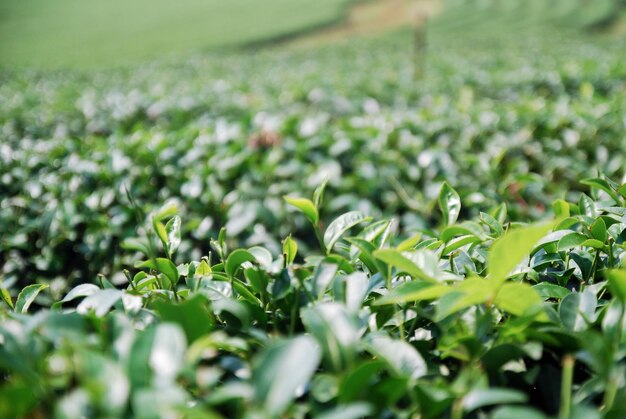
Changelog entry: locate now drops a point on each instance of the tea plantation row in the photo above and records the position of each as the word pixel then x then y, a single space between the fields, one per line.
pixel 315 233
pixel 514 125
pixel 480 316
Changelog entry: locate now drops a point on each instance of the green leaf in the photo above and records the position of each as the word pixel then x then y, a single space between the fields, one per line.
pixel 82 290
pixel 322 277
pixel 617 283
pixel 377 232
pixel 467 293
pixel 281 369
pixel 6 297
pixel 357 285
pixel 586 206
pixel 459 242
pixel 103 372
pixel 318 194
pixel 158 402
pixel 414 291
pixel 409 243
pixel 449 204
pixel 598 230
pixel 238 311
pixel 493 224
pixel 509 250
pixel 593 243
pixel 560 208
pixel 357 381
pixel 602 185
pixel 486 397
pixel 517 412
pixel 306 207
pixel 622 190
pixel 350 411
pixel 100 302
pixel 577 310
pixel 517 298
pixel 257 279
pixel 172 229
pixel 166 211
pixel 168 353
pixel 614 321
pixel 235 259
pixel 192 315
pixel 26 297
pixel 467 228
pixel 335 330
pixel 547 290
pixel 500 213
pixel 403 263
pixel 262 256
pixel 403 358
pixel 290 250
pixel 571 241
pixel 340 225
pixel 160 231
pixel 365 254
pixel 203 269
pixel 166 267
pixel 138 245
pixel 550 239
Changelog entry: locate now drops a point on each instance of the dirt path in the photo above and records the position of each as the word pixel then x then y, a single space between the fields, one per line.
pixel 369 18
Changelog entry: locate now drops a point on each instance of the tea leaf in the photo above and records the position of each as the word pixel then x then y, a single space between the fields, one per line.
pixel 508 251
pixel 27 296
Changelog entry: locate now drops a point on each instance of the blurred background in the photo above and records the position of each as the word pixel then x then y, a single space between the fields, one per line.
pixel 79 33
pixel 223 106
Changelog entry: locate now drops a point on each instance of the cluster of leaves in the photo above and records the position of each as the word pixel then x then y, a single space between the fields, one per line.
pixel 479 317
pixel 503 122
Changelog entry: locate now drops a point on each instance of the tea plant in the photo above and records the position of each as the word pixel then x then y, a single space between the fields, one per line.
pixel 314 234
pixel 482 316
pixel 73 142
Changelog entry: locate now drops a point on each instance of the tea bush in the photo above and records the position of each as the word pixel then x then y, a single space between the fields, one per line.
pixel 473 317
pixel 293 233
pixel 499 126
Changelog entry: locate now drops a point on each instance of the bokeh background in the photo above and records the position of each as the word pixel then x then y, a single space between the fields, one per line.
pixel 223 107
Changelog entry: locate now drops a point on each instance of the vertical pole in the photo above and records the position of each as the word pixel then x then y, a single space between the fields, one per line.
pixel 420 46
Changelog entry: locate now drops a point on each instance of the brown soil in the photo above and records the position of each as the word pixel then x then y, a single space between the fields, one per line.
pixel 367 18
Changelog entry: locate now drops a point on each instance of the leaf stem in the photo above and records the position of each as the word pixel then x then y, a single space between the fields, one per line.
pixel 567 378
pixel 609 394
pixel 318 235
pixel 594 267
pixel 457 409
pixel 294 313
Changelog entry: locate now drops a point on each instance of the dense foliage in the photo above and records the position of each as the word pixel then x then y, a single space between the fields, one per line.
pixel 281 233
pixel 473 314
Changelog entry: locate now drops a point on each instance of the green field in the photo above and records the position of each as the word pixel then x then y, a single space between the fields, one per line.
pixel 322 232
pixel 104 33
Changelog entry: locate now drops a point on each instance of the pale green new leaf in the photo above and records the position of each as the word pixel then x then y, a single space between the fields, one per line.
pixel 449 204
pixel 414 291
pixel 508 251
pixel 306 207
pixel 172 228
pixel 403 263
pixel 290 250
pixel 617 283
pixel 517 299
